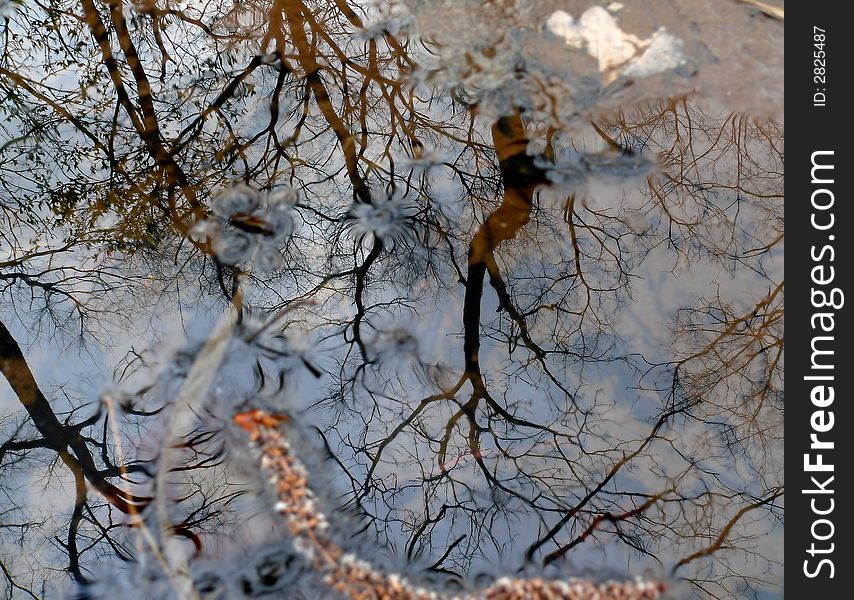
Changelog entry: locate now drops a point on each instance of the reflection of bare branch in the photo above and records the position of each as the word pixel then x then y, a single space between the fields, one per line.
pixel 450 422
pixel 59 437
pixel 601 518
pixel 357 579
pixel 720 540
pixel 71 447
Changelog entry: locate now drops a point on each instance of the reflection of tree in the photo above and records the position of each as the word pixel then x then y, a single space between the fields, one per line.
pixel 721 196
pixel 87 448
pixel 412 204
pixel 77 451
pixel 734 344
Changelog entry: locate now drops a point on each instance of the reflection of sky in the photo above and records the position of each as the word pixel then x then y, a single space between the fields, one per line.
pixel 608 390
pixel 618 412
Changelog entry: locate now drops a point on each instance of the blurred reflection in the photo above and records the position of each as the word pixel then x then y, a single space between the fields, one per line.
pixel 520 317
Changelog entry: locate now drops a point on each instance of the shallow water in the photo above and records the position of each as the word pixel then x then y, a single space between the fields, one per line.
pixel 512 271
